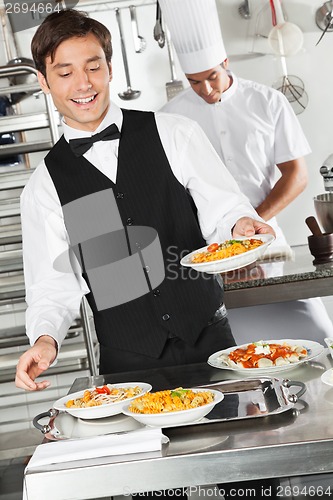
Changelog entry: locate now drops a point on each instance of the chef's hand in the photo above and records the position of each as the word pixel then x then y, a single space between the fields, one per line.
pixel 245 226
pixel 34 362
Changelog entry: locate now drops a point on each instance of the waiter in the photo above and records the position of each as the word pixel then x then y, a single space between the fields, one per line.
pixel 109 214
pixel 258 137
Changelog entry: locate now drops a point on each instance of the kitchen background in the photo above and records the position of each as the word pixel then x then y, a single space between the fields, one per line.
pixel 149 72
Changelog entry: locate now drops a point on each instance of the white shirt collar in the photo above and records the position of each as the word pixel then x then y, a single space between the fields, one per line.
pixel 114 115
pixel 232 89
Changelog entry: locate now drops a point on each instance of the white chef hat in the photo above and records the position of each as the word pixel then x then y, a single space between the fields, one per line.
pixel 195 32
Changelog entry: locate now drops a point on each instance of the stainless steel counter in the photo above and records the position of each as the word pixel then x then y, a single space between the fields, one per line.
pixel 278 281
pixel 210 453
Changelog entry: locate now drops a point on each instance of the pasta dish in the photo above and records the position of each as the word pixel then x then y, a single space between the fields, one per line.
pixel 263 355
pixel 170 401
pixel 103 395
pixel 229 248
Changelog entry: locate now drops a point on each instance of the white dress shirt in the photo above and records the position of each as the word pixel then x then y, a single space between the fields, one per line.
pixel 54 297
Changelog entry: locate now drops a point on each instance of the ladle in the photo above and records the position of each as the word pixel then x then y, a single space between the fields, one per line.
pixel 128 94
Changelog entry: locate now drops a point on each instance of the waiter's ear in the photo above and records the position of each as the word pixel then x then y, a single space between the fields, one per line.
pixel 43 83
pixel 110 72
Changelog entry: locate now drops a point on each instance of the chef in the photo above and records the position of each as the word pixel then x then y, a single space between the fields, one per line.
pixel 257 135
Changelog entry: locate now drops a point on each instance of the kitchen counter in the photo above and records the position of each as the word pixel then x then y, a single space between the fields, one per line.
pixel 267 282
pixel 206 454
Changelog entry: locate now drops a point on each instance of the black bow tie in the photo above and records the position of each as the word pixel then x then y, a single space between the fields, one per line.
pixel 82 145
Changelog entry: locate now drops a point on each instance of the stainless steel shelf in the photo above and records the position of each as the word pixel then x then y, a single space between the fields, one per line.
pixel 25 147
pixel 28 121
pixel 30 88
pixel 10 234
pixel 11 260
pixel 12 287
pixel 16 336
pixel 11 209
pixel 14 180
pixel 26 69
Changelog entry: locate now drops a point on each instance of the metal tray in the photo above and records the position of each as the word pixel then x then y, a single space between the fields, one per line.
pixel 249 398
pixel 253 398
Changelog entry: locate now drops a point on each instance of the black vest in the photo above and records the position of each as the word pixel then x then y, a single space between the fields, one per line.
pixel 147 194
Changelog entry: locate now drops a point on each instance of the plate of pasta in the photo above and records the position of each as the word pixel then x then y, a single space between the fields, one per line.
pixel 103 401
pixel 173 407
pixel 266 356
pixel 228 255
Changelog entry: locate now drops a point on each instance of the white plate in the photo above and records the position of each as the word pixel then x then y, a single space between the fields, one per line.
pixel 314 349
pixel 327 377
pixel 329 343
pixel 101 411
pixel 174 418
pixel 229 263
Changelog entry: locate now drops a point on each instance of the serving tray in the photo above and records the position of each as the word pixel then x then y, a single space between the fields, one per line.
pixel 253 398
pixel 243 399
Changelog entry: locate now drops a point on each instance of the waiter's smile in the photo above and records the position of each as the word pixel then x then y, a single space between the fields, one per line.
pixel 84 100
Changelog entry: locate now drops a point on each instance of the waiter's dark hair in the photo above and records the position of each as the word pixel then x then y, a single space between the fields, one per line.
pixel 61 26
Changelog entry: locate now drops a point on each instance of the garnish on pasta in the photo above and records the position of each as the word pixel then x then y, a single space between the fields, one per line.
pixel 103 395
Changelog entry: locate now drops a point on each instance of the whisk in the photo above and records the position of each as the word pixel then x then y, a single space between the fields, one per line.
pixel 293 88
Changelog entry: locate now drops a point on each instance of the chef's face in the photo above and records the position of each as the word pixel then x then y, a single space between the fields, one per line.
pixel 78 79
pixel 210 84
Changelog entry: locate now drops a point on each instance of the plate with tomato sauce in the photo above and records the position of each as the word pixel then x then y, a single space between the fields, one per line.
pixel 228 255
pixel 266 356
pixel 102 401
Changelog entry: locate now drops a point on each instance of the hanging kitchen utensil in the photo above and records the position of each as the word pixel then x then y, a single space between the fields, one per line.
pixel 174 86
pixel 139 42
pixel 244 10
pixel 129 93
pixel 329 24
pixel 159 34
pixel 285 38
pixel 324 18
pixel 291 86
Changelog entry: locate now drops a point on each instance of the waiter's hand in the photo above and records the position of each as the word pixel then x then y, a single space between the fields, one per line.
pixel 34 362
pixel 249 227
